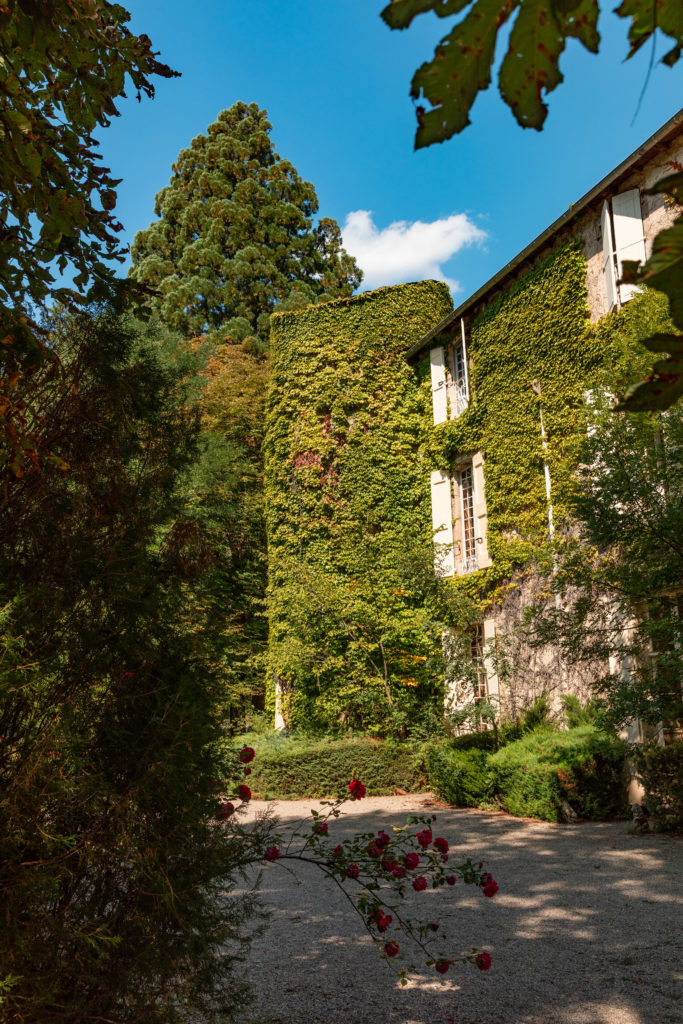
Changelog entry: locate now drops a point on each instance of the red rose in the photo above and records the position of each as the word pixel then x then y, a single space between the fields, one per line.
pixel 356 789
pixel 226 809
pixel 391 948
pixel 419 884
pixel 411 860
pixel 483 961
pixel 272 853
pixel 485 879
pixel 247 754
pixel 387 864
pixel 451 879
pixel 383 922
pixel 373 850
pixel 320 828
pixel 491 888
pixel 382 839
pixel 441 845
pixel 244 792
pixel 338 851
pixel 441 966
pixel 352 871
pixel 424 838
pixel 399 871
pixel 247 770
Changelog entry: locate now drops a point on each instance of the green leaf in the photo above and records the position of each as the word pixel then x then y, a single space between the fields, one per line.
pixel 665 385
pixel 530 67
pixel 400 13
pixel 461 68
pixel 649 15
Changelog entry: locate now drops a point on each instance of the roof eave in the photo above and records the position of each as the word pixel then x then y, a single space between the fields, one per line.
pixel 668 130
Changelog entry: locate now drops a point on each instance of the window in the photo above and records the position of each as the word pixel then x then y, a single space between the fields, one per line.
pixel 622 239
pixel 460 391
pixel 468 538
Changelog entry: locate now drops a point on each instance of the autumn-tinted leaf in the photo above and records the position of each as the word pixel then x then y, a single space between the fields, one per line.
pixel 649 15
pixel 400 13
pixel 461 68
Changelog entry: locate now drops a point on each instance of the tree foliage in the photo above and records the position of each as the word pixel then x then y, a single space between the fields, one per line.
pixel 62 67
pixel 235 236
pixel 462 63
pixel 116 881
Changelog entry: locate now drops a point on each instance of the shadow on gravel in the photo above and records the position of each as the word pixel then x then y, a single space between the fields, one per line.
pixel 586 929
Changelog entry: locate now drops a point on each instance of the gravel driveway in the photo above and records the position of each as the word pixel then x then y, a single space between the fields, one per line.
pixel 587 928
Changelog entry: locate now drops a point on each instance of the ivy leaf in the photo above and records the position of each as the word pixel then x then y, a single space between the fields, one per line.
pixel 647 16
pixel 461 68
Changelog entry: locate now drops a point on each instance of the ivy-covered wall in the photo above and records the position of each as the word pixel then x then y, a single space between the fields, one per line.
pixel 537 331
pixel 345 485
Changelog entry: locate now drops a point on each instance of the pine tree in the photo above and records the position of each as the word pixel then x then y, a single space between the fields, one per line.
pixel 235 236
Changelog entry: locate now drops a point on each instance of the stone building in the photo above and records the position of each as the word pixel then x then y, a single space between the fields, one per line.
pixel 379 399
pixel 547 303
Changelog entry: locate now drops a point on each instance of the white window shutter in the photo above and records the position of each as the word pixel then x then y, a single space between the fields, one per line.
pixel 608 264
pixel 629 240
pixel 437 362
pixel 491 674
pixel 442 524
pixel 480 512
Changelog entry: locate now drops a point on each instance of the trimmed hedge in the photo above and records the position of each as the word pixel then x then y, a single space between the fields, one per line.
pixel 532 776
pixel 661 772
pixel 304 768
pixel 582 765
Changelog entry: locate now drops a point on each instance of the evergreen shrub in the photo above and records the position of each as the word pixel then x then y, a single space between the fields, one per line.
pixel 661 771
pixel 298 768
pixel 460 776
pixel 534 775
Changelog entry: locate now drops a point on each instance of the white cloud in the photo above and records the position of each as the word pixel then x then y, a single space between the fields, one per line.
pixel 407 251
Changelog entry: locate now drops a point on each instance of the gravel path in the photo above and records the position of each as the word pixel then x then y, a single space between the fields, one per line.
pixel 587 928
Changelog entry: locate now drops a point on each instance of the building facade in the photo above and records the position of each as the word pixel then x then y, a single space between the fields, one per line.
pixel 511 371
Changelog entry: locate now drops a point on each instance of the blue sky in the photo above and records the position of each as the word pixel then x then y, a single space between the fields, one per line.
pixel 335 82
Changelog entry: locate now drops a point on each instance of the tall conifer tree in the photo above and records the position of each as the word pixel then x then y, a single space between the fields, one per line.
pixel 235 236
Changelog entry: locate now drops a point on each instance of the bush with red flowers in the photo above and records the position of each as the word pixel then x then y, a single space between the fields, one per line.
pixel 377 865
pixel 424 838
pixel 356 789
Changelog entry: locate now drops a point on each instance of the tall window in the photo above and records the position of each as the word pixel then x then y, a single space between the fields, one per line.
pixel 469 541
pixel 460 389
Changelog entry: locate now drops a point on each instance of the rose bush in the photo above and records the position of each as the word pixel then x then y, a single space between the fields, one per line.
pixel 379 865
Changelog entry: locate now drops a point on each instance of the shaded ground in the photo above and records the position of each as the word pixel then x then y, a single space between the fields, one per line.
pixel 587 929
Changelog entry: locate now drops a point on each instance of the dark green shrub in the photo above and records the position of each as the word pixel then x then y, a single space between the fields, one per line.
pixel 460 776
pixel 577 713
pixel 485 740
pixel 304 768
pixel 583 766
pixel 661 772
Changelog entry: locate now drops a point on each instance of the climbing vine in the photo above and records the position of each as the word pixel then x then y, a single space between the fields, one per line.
pixel 347 495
